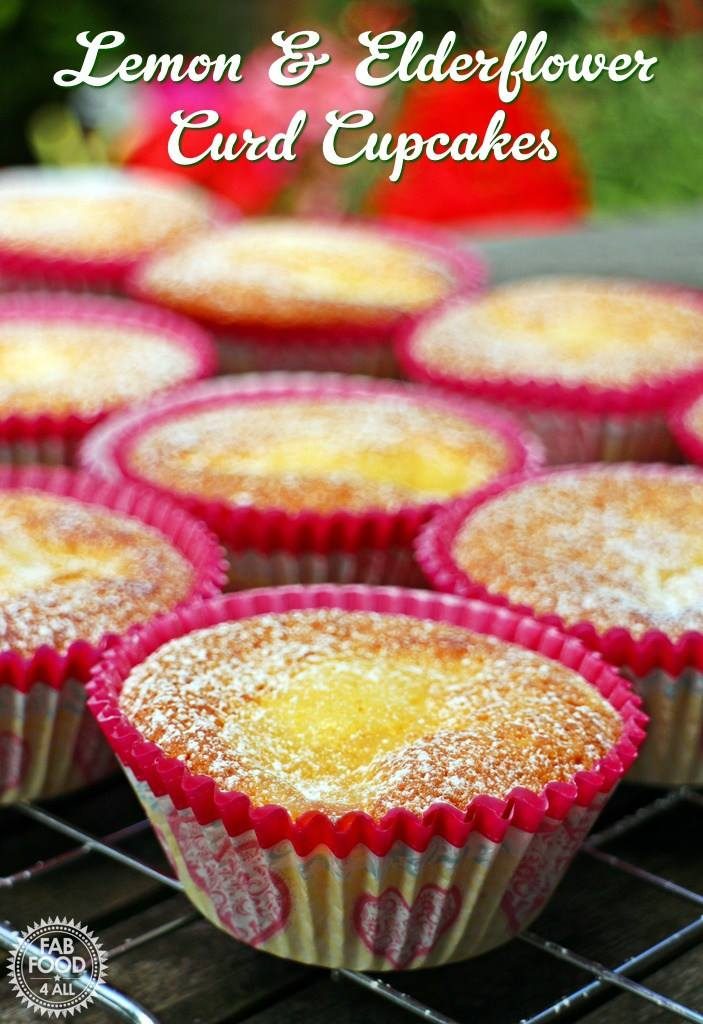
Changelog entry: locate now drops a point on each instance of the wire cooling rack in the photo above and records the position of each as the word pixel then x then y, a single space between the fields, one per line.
pixel 622 976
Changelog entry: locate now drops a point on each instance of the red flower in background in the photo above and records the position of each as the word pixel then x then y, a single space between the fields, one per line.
pixel 251 186
pixel 254 103
pixel 489 193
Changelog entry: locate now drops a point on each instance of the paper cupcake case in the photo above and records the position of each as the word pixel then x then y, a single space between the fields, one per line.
pixel 404 892
pixel 369 353
pixel 673 752
pixel 345 347
pixel 668 673
pixel 49 742
pixel 689 440
pixel 30 271
pixel 27 269
pixel 268 547
pixel 53 438
pixel 576 422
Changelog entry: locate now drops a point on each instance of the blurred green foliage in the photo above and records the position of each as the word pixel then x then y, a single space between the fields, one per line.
pixel 642 145
pixel 38 37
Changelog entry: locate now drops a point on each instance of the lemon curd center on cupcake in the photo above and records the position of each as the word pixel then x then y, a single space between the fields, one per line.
pixel 386 701
pixel 47 540
pixel 28 355
pixel 429 470
pixel 71 571
pixel 338 711
pixel 586 318
pixel 341 266
pixel 100 214
pixel 607 332
pixel 82 367
pixel 313 454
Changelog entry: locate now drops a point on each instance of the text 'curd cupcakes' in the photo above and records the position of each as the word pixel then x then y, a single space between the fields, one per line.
pixel 592 365
pixel 364 777
pixel 81 561
pixel 86 227
pixel 612 554
pixel 288 294
pixel 67 361
pixel 310 477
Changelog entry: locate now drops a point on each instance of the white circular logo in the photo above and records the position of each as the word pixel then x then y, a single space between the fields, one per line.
pixel 55 966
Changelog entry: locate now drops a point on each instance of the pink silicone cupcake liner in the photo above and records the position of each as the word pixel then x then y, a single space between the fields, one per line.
pixel 405 891
pixel 576 422
pixel 688 438
pixel 355 349
pixel 49 743
pixel 667 672
pixel 53 438
pixel 30 269
pixel 268 546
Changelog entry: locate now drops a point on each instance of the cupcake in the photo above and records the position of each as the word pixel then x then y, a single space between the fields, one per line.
pixel 67 361
pixel 81 562
pixel 308 478
pixel 686 424
pixel 306 295
pixel 364 777
pixel 593 366
pixel 611 554
pixel 88 226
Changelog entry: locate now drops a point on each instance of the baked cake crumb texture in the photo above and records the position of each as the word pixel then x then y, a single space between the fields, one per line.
pixel 353 711
pixel 282 272
pixel 320 453
pixel 620 546
pixel 72 571
pixel 609 332
pixel 96 213
pixel 76 365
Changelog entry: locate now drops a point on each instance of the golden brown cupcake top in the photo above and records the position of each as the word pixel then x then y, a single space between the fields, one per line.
pixel 285 273
pixel 320 453
pixel 357 711
pixel 616 546
pixel 77 365
pixel 610 333
pixel 96 213
pixel 71 571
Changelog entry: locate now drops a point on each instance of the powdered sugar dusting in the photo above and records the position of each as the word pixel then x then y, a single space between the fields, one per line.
pixel 75 365
pixel 96 212
pixel 605 332
pixel 338 711
pixel 616 546
pixel 282 272
pixel 71 571
pixel 322 453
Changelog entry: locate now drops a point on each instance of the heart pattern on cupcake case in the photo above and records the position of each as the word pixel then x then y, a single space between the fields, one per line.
pixel 392 928
pixel 544 862
pixel 252 903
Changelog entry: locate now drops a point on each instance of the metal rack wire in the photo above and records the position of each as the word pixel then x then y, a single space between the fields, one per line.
pixel 123 1007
